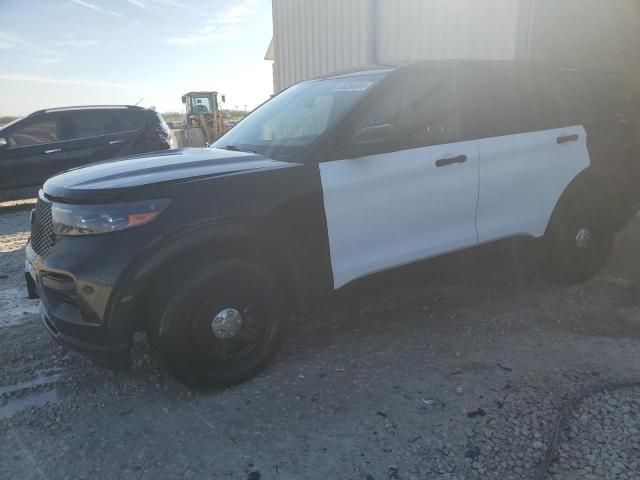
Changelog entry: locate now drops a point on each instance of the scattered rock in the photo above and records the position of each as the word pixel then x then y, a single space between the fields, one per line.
pixel 476 413
pixel 473 453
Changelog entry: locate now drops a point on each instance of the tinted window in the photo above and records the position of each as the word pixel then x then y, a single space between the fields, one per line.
pixel 590 99
pixel 502 100
pixel 93 123
pixel 42 131
pixel 84 125
pixel 499 101
pixel 125 120
pixel 421 109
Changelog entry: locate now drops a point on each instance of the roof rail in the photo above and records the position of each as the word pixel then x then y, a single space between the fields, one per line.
pixel 87 107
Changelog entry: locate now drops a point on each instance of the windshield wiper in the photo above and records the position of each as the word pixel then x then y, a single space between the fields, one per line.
pixel 237 148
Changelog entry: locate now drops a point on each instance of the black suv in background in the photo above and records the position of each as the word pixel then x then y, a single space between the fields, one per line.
pixel 332 180
pixel 48 142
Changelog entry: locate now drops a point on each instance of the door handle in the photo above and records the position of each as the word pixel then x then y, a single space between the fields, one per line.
pixel 115 142
pixel 443 162
pixel 567 139
pixel 53 150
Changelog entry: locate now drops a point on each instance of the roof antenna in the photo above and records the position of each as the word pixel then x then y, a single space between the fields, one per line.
pixel 138 102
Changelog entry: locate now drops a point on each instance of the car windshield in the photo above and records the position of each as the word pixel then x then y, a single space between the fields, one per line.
pixel 297 117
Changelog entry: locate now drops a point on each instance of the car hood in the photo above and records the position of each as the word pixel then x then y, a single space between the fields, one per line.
pixel 115 178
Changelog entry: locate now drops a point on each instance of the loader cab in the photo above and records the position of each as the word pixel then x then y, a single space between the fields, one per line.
pixel 203 122
pixel 200 102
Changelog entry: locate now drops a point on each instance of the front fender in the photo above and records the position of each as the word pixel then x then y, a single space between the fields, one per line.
pixel 202 244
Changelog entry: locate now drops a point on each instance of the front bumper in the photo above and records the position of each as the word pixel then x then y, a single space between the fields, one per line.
pixel 114 357
pixel 74 311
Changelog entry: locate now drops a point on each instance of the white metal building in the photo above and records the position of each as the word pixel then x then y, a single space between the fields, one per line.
pixel 314 37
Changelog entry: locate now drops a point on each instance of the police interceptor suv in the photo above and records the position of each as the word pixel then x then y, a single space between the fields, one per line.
pixel 210 251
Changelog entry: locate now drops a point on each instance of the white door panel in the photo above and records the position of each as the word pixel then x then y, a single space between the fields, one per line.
pixel 387 210
pixel 522 178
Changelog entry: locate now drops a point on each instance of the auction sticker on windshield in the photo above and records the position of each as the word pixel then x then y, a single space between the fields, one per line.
pixel 352 86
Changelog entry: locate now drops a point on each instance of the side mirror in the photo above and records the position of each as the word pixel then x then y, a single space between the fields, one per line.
pixel 374 135
pixel 4 143
pixel 223 98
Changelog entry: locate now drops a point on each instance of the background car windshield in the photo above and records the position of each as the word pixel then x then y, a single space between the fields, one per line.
pixel 299 115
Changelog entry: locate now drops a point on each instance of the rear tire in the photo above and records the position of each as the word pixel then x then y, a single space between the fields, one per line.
pixel 191 336
pixel 580 238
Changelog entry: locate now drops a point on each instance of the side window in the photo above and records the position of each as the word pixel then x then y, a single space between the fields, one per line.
pixel 499 101
pixel 34 133
pixel 124 121
pixel 93 123
pixel 82 124
pixel 592 99
pixel 421 111
pixel 435 112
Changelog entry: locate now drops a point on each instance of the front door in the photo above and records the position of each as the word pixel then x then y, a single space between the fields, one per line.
pixel 408 198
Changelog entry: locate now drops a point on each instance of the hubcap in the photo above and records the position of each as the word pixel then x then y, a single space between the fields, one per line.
pixel 227 323
pixel 583 238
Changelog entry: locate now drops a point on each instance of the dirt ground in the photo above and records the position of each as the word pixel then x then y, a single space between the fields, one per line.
pixel 458 370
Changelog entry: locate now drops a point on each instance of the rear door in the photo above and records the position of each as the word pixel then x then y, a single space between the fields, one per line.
pixel 529 150
pixel 34 144
pixel 96 135
pixel 408 198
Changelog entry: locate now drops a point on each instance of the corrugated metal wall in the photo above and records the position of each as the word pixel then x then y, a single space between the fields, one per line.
pixel 587 33
pixel 433 29
pixel 313 37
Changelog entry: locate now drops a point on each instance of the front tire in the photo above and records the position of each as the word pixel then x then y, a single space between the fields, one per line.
pixel 580 238
pixel 222 326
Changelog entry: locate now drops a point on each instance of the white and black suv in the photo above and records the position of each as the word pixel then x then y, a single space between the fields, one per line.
pixel 211 250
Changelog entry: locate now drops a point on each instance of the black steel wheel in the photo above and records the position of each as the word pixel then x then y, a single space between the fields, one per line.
pixel 221 326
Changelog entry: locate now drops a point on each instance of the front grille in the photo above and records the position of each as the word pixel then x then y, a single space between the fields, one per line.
pixel 42 236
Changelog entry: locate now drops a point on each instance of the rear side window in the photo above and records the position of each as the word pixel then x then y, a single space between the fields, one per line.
pixel 593 98
pixel 499 101
pixel 125 120
pixel 95 123
pixel 34 133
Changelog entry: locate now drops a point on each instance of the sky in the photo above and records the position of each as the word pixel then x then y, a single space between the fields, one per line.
pixel 77 52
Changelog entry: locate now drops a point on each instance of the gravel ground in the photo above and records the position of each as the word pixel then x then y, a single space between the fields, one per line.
pixel 461 370
pixel 601 438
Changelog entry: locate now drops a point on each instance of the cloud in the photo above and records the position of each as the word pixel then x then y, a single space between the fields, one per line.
pixel 13 43
pixel 25 77
pixel 99 9
pixel 139 4
pixel 48 61
pixel 76 43
pixel 238 13
pixel 219 27
pixel 10 41
pixel 88 5
pixel 206 35
pixel 174 4
pixel 156 3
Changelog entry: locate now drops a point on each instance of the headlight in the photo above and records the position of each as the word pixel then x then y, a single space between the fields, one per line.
pixel 92 219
